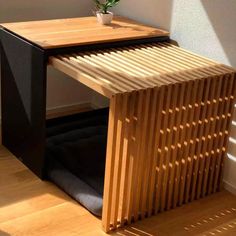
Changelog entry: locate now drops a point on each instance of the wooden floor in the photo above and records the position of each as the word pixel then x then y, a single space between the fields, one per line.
pixel 29 207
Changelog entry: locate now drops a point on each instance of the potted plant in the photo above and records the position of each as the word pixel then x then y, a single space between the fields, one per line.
pixel 103 15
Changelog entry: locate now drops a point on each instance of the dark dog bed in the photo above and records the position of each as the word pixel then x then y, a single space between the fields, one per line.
pixel 75 154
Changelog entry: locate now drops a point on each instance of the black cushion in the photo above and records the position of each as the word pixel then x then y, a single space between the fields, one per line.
pixel 77 154
pixel 75 187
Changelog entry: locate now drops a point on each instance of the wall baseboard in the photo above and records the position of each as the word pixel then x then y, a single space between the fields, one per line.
pixel 62 111
pixel 68 110
pixel 229 187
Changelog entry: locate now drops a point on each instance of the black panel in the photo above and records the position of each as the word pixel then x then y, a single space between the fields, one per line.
pixel 125 43
pixel 23 74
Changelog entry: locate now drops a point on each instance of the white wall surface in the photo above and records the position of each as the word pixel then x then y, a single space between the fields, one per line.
pixel 61 90
pixel 207 27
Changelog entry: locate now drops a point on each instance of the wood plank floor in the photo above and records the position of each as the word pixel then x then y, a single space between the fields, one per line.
pixel 29 207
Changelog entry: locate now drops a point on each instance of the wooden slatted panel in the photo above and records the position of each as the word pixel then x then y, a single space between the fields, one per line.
pixel 163 144
pixel 229 107
pixel 113 71
pixel 169 124
pixel 221 121
pixel 176 140
pixel 195 127
pixel 187 143
pixel 200 137
pixel 212 131
pixel 181 162
pixel 204 136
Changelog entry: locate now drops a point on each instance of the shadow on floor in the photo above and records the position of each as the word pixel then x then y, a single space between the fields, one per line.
pixel 4 233
pixel 213 215
pixel 17 183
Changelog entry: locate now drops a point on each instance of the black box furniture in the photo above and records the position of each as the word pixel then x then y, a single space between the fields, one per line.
pixel 169 114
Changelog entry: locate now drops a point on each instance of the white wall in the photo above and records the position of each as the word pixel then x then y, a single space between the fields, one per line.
pixel 61 89
pixel 206 27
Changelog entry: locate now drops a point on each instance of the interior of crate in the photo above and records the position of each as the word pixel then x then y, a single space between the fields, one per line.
pixel 75 154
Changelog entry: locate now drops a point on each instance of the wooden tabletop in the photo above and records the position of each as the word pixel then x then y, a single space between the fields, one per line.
pixel 81 31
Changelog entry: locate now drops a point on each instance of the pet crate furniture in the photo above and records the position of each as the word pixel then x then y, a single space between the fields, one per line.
pixel 169 114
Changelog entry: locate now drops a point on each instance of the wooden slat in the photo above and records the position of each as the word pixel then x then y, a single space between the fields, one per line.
pixel 142 182
pixel 162 147
pixel 176 140
pixel 218 131
pixel 223 127
pixel 122 101
pixel 82 77
pixel 196 125
pixel 210 147
pixel 110 158
pixel 127 163
pixel 150 144
pixel 127 69
pixel 200 59
pixel 155 149
pixel 138 160
pixel 229 107
pixel 132 161
pixel 169 138
pixel 205 154
pixel 181 144
pixel 198 155
pixel 218 121
pixel 187 143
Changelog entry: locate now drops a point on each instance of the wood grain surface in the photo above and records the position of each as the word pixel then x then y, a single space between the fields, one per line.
pixel 31 207
pixel 170 114
pixel 81 31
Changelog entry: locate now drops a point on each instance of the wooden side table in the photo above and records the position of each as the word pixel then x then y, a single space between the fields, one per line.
pixel 25 49
pixel 169 118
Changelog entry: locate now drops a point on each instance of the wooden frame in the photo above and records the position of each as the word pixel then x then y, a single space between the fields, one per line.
pixel 170 113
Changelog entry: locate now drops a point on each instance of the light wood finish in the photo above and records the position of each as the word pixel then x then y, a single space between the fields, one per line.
pixel 170 112
pixel 31 207
pixel 81 31
pixel 127 69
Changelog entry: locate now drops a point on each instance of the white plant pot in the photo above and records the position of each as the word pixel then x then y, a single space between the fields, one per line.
pixel 104 19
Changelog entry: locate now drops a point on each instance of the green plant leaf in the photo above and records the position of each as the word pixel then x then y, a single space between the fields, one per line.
pixel 97 3
pixel 103 7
